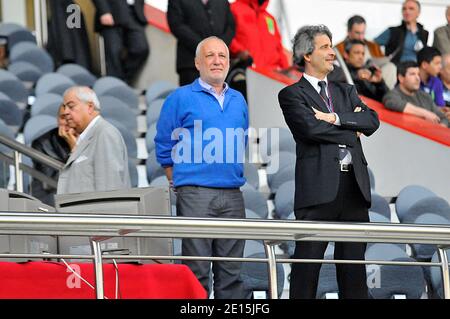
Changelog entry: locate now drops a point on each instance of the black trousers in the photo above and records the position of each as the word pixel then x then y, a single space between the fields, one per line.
pixel 121 63
pixel 348 206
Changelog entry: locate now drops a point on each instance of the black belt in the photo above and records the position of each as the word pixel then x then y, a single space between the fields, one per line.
pixel 345 167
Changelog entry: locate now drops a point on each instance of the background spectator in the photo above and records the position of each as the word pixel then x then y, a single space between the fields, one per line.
pixel 430 64
pixel 99 161
pixel 54 145
pixel 67 45
pixel 192 21
pixel 407 97
pixel 442 35
pixel 402 42
pixel 445 77
pixel 122 25
pixel 356 30
pixel 366 76
pixel 257 35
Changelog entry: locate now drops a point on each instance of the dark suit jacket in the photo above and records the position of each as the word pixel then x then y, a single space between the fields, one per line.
pixel 190 22
pixel 317 168
pixel 120 12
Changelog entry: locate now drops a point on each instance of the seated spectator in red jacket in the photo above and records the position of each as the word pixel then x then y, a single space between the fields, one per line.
pixel 257 35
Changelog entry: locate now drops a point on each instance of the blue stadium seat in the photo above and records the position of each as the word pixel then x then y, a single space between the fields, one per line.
pixel 53 83
pixel 113 108
pixel 79 74
pixel 158 90
pixel 47 103
pixel 10 113
pixel 380 205
pixel 284 200
pixel 31 53
pixel 408 196
pixel 25 71
pixel 434 205
pixel 256 202
pixel 16 33
pixel 251 174
pixel 37 126
pixel 153 111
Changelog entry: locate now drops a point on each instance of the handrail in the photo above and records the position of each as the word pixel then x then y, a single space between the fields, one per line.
pixel 101 227
pixel 31 152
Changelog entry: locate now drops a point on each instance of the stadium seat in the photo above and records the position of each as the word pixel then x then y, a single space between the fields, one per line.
pixel 436 276
pixel 78 74
pixel 10 113
pixel 53 83
pixel 15 33
pixel 132 170
pixel 251 174
pixel 256 202
pixel 37 126
pixel 153 111
pixel 153 168
pixel 408 196
pixel 4 167
pixel 256 278
pixel 435 205
pixel 284 174
pixel 13 87
pixel 284 143
pixel 158 90
pixel 375 217
pixel 25 71
pixel 31 53
pixel 380 205
pixel 113 108
pixel 47 103
pixel 284 200
pixel 128 137
pixel 150 137
pixel 111 86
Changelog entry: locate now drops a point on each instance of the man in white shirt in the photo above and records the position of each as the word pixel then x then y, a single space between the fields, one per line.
pixel 99 161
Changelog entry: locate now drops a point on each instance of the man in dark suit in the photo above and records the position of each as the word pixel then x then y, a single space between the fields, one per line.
pixel 122 25
pixel 191 21
pixel 331 178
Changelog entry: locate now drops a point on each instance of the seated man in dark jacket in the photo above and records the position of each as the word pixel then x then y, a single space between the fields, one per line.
pixel 367 77
pixel 58 144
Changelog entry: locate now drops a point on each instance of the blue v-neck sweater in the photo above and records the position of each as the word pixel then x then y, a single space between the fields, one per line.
pixel 204 143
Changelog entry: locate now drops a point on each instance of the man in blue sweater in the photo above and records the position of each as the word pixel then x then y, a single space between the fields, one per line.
pixel 200 141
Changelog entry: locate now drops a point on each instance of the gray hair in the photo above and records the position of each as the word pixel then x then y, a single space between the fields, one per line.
pixel 303 42
pixel 85 94
pixel 201 43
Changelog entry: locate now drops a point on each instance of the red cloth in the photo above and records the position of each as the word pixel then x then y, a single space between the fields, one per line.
pixel 257 32
pixel 52 280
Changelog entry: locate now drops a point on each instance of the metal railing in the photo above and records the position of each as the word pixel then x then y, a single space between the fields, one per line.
pixel 101 227
pixel 20 149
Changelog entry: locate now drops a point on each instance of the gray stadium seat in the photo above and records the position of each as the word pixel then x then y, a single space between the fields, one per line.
pixel 251 214
pixel 380 205
pixel 252 247
pixel 31 53
pixel 251 174
pixel 393 280
pixel 424 252
pixel 408 196
pixel 78 74
pixel 13 87
pixel 110 86
pixel 436 276
pixel 284 143
pixel 132 169
pixel 113 108
pixel 158 90
pixel 153 111
pixel 256 202
pixel 153 168
pixel 284 174
pixel 128 137
pixel 149 137
pixel 25 71
pixel 375 217
pixel 16 33
pixel 53 83
pixel 47 103
pixel 37 126
pixel 4 168
pixel 435 205
pixel 10 113
pixel 255 276
pixel 284 200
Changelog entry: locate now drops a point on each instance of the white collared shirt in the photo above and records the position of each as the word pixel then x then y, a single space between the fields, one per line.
pixel 90 125
pixel 315 84
pixel 219 97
